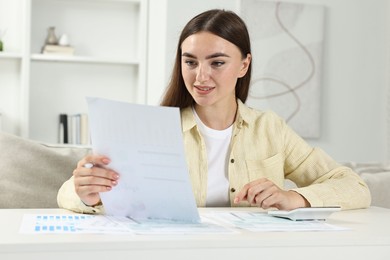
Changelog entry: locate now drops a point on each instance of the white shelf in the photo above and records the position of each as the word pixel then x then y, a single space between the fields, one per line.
pixel 124 1
pixel 82 59
pixel 10 55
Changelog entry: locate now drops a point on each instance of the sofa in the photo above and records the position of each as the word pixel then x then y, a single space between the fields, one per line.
pixel 32 172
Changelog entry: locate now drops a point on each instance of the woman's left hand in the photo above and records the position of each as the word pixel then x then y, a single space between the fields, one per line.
pixel 265 194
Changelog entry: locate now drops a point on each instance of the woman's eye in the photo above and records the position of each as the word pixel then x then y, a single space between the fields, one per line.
pixel 218 63
pixel 190 63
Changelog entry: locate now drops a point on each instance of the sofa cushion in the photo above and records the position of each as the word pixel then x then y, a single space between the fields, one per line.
pixel 377 177
pixel 31 173
pixel 378 184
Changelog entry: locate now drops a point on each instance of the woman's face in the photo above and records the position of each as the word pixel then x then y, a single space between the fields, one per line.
pixel 211 66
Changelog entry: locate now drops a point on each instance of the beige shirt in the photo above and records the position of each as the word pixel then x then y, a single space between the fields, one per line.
pixel 262 146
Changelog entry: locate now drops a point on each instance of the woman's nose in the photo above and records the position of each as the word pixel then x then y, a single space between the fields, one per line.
pixel 203 74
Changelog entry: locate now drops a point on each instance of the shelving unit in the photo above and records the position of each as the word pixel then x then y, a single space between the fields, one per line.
pixel 110 39
pixel 12 65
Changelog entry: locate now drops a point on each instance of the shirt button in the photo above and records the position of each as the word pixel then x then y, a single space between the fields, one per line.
pixel 232 160
pixel 232 189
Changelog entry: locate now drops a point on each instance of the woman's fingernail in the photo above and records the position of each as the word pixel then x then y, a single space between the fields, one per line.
pixel 106 161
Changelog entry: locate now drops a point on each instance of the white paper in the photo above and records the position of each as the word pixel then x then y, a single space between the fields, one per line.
pixel 146 148
pixel 261 222
pixel 226 222
pixel 100 224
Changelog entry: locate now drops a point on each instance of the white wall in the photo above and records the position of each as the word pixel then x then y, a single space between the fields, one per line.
pixel 355 78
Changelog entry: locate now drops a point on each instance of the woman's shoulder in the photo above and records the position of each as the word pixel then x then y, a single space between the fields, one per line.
pixel 253 114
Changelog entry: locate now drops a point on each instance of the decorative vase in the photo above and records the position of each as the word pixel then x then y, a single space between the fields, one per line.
pixel 64 40
pixel 51 38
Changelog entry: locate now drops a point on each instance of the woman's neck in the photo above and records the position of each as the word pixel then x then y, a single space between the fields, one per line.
pixel 217 117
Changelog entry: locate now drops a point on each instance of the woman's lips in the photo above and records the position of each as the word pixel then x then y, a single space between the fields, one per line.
pixel 204 89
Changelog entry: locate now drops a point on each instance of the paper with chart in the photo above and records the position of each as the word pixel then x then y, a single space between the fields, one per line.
pixel 103 224
pixel 146 148
pixel 213 222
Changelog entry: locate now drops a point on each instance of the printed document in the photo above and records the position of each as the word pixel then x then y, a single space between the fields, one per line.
pixel 213 222
pixel 145 146
pixel 100 224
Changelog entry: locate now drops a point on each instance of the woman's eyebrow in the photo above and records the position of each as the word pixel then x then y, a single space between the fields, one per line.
pixel 211 56
pixel 216 55
pixel 189 55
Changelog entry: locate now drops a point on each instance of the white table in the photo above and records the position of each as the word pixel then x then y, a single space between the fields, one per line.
pixel 368 237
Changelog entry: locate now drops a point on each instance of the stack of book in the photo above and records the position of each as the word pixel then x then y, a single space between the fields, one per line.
pixel 58 49
pixel 74 129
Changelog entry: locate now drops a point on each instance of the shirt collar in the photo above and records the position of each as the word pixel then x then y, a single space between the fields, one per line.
pixel 187 119
pixel 244 116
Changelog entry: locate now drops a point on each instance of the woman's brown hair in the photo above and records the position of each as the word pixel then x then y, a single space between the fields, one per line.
pixel 225 24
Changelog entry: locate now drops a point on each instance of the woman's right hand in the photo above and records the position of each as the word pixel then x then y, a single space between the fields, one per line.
pixel 90 181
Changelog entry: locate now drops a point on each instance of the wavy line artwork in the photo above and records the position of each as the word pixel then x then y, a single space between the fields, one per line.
pixel 287 40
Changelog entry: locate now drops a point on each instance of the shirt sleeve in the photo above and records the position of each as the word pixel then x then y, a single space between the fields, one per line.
pixel 320 179
pixel 67 198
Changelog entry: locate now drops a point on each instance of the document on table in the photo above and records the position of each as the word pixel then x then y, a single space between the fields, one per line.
pixel 226 222
pixel 103 224
pixel 261 221
pixel 146 148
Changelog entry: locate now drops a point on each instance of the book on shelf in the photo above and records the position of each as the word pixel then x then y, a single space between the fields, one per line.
pixel 58 49
pixel 63 130
pixel 73 129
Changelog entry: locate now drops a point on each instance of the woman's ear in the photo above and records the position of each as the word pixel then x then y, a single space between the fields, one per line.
pixel 245 65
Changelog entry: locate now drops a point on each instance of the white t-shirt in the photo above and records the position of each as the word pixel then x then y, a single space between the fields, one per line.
pixel 217 147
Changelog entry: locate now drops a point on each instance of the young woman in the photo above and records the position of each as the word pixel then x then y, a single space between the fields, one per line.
pixel 236 156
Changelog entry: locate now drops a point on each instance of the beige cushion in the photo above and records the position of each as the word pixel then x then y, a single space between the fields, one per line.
pixel 379 184
pixel 31 173
pixel 377 177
